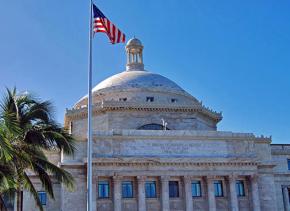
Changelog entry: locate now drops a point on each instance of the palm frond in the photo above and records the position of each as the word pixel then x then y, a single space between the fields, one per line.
pixel 28 185
pixel 61 140
pixel 9 113
pixel 37 138
pixel 44 178
pixel 6 150
pixel 58 173
pixel 38 111
pixel 27 128
pixel 7 176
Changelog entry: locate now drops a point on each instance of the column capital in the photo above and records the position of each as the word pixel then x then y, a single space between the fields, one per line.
pixel 232 177
pixel 164 178
pixel 187 178
pixel 254 177
pixel 141 178
pixel 117 178
pixel 210 177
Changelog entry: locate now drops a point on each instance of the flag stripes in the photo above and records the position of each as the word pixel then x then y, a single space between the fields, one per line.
pixel 104 25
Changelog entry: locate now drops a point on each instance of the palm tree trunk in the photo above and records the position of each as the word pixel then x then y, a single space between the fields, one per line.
pixel 19 200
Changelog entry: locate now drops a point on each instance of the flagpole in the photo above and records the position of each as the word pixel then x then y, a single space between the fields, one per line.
pixel 89 141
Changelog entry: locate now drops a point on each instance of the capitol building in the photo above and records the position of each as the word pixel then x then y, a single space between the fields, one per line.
pixel 157 148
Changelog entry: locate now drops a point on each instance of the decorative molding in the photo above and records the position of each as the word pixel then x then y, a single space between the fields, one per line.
pixel 187 179
pixel 117 134
pixel 117 178
pixel 164 178
pixel 233 177
pixel 156 163
pixel 81 113
pixel 254 177
pixel 141 178
pixel 201 164
pixel 212 177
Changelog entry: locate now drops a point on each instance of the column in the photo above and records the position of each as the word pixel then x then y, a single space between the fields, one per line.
pixel 211 194
pixel 165 193
pixel 94 190
pixel 233 194
pixel 286 198
pixel 255 193
pixel 117 193
pixel 141 193
pixel 188 193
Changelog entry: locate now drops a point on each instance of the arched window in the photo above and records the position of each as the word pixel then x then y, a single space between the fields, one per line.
pixel 152 127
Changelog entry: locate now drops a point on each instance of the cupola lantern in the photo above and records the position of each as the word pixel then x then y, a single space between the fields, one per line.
pixel 134 49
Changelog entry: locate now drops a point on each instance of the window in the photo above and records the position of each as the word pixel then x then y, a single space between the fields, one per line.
pixel 173 189
pixel 196 188
pixel 124 99
pixel 71 128
pixel 42 197
pixel 152 127
pixel 173 100
pixel 240 188
pixel 103 189
pixel 218 188
pixel 149 99
pixel 127 189
pixel 288 162
pixel 150 189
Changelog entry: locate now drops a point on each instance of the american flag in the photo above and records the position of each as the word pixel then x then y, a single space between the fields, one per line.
pixel 103 24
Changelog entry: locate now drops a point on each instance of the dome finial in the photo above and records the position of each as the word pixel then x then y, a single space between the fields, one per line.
pixel 134 50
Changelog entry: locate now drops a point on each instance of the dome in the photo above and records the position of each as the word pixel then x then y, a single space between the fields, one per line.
pixel 138 79
pixel 133 83
pixel 134 41
pixel 141 91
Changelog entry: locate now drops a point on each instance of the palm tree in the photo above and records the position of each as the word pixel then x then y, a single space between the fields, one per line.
pixel 27 130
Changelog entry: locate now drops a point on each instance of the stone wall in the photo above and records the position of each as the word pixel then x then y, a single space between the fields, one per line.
pixel 52 204
pixel 134 120
pixel 75 200
pixel 280 155
pixel 177 153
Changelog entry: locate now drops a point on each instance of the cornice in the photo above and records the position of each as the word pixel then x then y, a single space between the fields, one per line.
pixel 113 162
pixel 152 106
pixel 280 152
pixel 281 174
pixel 200 164
pixel 119 134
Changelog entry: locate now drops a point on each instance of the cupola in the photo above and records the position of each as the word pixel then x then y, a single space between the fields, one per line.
pixel 134 50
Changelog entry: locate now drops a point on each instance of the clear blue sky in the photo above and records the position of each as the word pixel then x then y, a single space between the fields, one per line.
pixel 232 55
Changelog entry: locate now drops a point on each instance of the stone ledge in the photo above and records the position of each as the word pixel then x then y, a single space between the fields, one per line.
pixel 167 162
pixel 116 106
pixel 180 134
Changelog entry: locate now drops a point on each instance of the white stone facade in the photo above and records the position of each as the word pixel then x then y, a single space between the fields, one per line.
pixel 191 149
